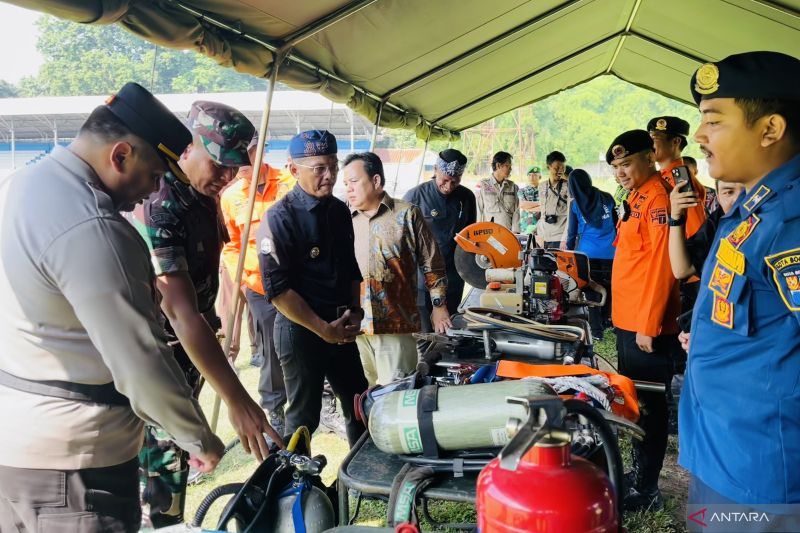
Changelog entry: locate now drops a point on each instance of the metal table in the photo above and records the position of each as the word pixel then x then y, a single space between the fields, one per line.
pixel 370 471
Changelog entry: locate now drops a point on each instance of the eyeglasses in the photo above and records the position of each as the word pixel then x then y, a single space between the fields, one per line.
pixel 319 170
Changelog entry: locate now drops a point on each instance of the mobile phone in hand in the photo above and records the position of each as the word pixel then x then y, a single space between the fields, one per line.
pixel 683 180
pixel 685 321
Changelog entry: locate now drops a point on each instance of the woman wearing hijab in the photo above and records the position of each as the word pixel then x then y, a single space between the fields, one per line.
pixel 591 230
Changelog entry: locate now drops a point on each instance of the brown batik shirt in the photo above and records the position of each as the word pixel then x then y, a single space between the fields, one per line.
pixel 391 247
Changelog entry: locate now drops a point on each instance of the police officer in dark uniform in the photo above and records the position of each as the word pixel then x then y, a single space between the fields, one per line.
pixel 310 273
pixel 182 225
pixel 448 207
pixel 740 409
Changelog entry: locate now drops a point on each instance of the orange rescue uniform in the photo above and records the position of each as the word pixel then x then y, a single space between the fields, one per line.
pixel 233 204
pixel 695 216
pixel 645 295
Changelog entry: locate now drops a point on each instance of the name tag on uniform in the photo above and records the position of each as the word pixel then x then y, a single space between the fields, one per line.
pixel 730 257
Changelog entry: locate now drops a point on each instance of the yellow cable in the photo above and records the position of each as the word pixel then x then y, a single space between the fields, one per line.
pixel 302 431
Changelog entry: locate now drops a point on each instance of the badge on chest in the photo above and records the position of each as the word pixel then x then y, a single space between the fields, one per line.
pixel 785 268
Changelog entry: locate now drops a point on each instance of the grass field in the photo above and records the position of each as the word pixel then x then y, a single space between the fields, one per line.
pixel 237 466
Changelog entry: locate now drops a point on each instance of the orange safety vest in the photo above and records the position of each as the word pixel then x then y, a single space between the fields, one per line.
pixel 233 204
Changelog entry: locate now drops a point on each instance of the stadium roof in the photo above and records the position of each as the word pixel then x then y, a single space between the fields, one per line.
pixel 37 119
pixel 454 63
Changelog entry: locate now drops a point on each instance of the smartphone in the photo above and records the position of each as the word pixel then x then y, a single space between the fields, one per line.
pixel 683 180
pixel 685 321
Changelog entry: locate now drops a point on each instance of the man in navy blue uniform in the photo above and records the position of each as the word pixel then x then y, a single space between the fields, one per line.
pixel 309 269
pixel 448 207
pixel 740 414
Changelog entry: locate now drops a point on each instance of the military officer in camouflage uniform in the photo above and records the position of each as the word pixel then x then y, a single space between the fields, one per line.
pixel 497 195
pixel 183 228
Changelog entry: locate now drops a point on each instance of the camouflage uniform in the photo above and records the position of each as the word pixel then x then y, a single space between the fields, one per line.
pixel 528 217
pixel 185 232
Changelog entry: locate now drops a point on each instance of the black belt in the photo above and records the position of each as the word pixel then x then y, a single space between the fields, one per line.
pixel 79 392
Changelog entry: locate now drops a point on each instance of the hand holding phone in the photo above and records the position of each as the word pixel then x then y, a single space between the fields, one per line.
pixel 682 179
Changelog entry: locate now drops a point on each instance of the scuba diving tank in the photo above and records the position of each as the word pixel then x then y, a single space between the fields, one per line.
pixel 317 512
pixel 467 417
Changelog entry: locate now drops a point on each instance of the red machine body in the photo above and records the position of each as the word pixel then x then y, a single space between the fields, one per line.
pixel 549 492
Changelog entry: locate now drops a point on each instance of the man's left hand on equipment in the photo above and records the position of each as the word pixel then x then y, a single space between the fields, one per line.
pixel 250 423
pixel 440 318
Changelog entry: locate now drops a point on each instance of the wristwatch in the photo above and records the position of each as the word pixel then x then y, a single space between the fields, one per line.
pixel 437 302
pixel 673 222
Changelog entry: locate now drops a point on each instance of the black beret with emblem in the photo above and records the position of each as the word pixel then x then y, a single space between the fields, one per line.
pixel 669 125
pixel 629 143
pixel 761 75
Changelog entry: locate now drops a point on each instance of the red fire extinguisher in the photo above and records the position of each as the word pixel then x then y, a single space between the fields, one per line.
pixel 535 485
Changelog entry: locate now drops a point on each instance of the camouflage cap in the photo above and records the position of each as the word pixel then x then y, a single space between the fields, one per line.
pixel 225 132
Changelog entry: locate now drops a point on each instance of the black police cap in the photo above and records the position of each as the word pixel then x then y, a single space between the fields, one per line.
pixel 149 119
pixel 629 143
pixel 761 75
pixel 669 125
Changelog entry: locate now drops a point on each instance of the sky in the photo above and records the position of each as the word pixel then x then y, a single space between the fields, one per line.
pixel 18 34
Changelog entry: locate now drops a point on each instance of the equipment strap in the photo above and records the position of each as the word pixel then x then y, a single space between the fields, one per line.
pixel 79 392
pixel 407 484
pixel 297 507
pixel 427 404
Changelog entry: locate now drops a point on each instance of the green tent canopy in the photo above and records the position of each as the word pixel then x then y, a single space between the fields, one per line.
pixel 452 64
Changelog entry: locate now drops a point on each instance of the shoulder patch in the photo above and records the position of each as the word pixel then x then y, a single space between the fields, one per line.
pixel 743 231
pixel 757 197
pixel 265 247
pixel 785 268
pixel 658 216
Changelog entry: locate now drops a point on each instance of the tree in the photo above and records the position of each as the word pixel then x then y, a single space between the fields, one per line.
pixel 8 90
pixel 580 122
pixel 92 59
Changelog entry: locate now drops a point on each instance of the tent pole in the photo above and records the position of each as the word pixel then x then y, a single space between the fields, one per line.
pixel 377 123
pixel 621 42
pixel 526 77
pixel 352 132
pixel 237 282
pixel 424 153
pixel 526 26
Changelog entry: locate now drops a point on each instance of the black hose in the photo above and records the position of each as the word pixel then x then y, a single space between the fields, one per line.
pixel 610 446
pixel 231 445
pixel 211 497
pixel 270 496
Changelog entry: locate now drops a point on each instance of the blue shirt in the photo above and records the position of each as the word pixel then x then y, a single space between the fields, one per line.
pixel 740 409
pixel 597 243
